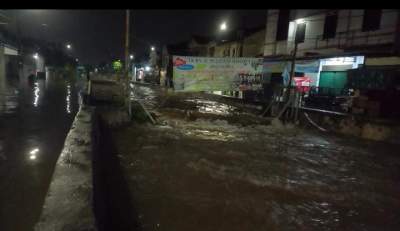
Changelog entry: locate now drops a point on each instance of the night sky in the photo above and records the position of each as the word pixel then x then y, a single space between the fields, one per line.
pixel 98 35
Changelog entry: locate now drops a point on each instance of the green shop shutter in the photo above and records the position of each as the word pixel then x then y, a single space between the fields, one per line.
pixel 332 81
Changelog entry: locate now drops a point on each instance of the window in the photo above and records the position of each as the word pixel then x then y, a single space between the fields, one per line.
pixel 330 26
pixel 371 20
pixel 283 25
pixel 300 32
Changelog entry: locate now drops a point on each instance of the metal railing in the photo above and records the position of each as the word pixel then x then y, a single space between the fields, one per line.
pixel 328 91
pixel 342 40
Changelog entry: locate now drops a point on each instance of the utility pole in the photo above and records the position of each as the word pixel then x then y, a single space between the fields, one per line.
pixel 127 64
pixel 299 38
pixel 292 70
pixel 241 32
pixel 127 19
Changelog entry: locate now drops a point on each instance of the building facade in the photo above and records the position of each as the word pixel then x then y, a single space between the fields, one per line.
pixel 332 32
pixel 349 48
pixel 340 40
pixel 253 43
pixel 245 43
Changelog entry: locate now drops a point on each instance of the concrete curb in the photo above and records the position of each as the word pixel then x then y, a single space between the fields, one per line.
pixel 69 201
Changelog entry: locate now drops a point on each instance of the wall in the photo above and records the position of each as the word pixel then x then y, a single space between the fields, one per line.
pixel 198 49
pixel 382 61
pixel 221 49
pixel 2 65
pixel 348 32
pixel 366 128
pixel 253 44
pixel 69 201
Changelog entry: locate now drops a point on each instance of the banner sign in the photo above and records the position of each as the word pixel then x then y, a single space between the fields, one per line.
pixel 217 74
pixel 307 66
pixel 273 66
pixel 300 66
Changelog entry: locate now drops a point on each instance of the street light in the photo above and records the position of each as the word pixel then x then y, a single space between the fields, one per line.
pixel 131 57
pixel 152 48
pixel 69 46
pixel 36 56
pixel 77 60
pixel 223 26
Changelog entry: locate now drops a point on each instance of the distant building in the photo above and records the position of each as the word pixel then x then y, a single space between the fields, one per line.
pixel 198 45
pixel 239 43
pixel 253 44
pixel 333 32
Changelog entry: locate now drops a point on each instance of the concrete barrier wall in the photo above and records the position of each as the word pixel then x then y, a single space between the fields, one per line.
pixel 387 131
pixel 69 201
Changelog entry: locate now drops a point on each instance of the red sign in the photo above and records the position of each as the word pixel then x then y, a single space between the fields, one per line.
pixel 302 83
pixel 178 62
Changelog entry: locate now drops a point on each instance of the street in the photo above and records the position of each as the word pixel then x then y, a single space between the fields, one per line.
pixel 202 169
pixel 34 120
pixel 260 119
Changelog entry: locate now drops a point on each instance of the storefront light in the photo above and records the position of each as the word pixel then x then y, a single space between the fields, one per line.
pixel 300 21
pixel 340 61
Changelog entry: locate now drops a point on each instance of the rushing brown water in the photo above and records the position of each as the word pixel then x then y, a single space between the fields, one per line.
pixel 208 174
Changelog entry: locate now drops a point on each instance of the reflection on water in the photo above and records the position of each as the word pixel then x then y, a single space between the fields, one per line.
pixel 33 153
pixel 209 106
pixel 30 143
pixel 36 91
pixel 68 99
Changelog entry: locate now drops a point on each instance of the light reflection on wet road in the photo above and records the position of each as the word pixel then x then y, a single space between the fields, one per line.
pixel 34 120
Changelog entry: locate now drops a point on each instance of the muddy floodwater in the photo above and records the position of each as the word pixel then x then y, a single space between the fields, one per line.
pixel 35 117
pixel 199 170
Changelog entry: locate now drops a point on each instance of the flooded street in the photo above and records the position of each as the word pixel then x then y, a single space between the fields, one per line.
pixel 209 165
pixel 34 120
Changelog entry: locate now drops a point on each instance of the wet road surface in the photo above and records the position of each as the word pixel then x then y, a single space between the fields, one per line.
pixel 34 120
pixel 201 170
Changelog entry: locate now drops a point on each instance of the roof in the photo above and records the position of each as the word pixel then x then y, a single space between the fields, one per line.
pixel 178 48
pixel 253 30
pixel 233 35
pixel 201 39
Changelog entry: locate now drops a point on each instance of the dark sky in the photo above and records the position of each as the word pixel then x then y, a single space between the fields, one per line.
pixel 98 35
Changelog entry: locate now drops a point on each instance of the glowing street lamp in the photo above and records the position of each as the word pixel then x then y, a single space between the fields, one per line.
pixel 153 48
pixel 131 57
pixel 223 26
pixel 69 46
pixel 36 56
